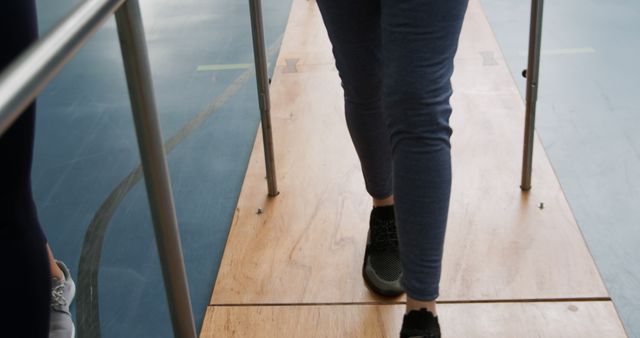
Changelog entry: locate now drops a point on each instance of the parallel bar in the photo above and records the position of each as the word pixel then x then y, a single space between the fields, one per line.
pixel 32 71
pixel 535 37
pixel 136 63
pixel 262 78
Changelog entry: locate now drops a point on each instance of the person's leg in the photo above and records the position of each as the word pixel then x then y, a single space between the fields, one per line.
pixel 354 31
pixel 419 41
pixel 26 283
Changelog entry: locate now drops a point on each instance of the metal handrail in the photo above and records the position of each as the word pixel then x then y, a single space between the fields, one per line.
pixel 532 74
pixel 26 77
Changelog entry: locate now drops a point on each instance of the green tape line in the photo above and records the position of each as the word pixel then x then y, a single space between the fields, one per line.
pixel 204 68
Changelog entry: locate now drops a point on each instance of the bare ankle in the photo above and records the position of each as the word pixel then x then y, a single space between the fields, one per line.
pixel 413 304
pixel 383 202
pixel 56 272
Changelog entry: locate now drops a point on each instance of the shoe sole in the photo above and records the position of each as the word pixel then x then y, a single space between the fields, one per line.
pixel 373 287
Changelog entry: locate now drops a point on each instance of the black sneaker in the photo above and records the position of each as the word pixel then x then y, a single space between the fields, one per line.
pixel 381 268
pixel 420 324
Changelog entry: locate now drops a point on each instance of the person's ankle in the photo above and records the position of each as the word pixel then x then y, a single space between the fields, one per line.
pixel 383 202
pixel 413 304
pixel 57 273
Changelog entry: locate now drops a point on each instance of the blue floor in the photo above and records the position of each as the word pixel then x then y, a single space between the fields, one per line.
pixel 588 119
pixel 91 200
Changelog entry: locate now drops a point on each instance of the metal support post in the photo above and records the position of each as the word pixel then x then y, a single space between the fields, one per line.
pixel 532 72
pixel 262 77
pixel 156 173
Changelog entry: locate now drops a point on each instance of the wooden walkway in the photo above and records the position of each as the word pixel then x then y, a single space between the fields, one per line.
pixel 515 263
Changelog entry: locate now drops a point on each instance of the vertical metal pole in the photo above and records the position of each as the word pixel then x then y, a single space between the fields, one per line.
pixel 156 173
pixel 262 77
pixel 535 37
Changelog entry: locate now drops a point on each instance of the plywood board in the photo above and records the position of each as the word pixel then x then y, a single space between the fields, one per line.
pixel 307 245
pixel 522 320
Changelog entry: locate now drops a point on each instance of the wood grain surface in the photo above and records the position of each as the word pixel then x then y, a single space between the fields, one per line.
pixel 307 244
pixel 507 320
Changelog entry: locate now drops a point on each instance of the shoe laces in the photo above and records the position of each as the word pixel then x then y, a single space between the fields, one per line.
pixel 57 297
pixel 384 235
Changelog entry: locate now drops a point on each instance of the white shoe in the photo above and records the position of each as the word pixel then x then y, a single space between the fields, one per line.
pixel 62 294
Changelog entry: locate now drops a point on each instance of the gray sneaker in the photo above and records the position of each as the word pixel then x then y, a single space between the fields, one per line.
pixel 62 293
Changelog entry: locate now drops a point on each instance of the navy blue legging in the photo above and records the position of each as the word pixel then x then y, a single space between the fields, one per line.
pixel 395 60
pixel 25 279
